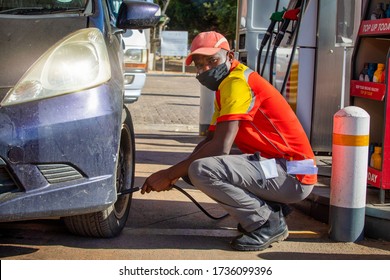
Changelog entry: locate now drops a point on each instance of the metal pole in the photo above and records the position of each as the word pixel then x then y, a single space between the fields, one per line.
pixel 351 126
pixel 343 78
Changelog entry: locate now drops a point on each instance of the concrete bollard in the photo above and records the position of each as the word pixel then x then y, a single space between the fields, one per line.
pixel 206 109
pixel 348 187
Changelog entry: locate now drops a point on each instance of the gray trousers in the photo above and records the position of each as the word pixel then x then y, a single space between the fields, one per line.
pixel 238 184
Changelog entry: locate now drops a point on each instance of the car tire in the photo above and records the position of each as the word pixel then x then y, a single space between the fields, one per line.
pixel 111 221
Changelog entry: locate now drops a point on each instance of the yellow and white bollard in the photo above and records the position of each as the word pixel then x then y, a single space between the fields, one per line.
pixel 351 127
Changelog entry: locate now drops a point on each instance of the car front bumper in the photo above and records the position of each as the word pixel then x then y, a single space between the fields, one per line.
pixel 58 155
pixel 134 83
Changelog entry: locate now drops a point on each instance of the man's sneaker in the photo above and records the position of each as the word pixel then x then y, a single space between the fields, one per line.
pixel 274 230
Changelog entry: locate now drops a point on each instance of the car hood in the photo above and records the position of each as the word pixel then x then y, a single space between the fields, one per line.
pixel 23 41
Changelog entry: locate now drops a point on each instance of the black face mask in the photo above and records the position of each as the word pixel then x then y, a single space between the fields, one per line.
pixel 212 78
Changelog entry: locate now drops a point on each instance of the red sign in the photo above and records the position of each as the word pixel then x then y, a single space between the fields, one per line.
pixel 370 90
pixel 375 27
pixel 374 177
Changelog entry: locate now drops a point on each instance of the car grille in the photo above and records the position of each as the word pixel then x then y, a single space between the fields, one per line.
pixel 59 173
pixel 7 184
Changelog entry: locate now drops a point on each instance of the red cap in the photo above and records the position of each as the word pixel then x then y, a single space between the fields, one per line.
pixel 207 43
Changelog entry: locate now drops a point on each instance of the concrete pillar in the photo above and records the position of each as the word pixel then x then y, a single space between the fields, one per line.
pixel 206 109
pixel 348 186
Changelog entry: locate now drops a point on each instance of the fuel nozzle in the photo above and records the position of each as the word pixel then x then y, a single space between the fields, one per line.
pixel 291 14
pixel 288 16
pixel 275 17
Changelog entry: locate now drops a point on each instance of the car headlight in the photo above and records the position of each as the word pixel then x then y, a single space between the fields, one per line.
pixel 135 58
pixel 133 55
pixel 77 62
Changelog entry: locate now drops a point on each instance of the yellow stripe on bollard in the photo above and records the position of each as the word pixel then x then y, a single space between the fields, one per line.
pixel 350 140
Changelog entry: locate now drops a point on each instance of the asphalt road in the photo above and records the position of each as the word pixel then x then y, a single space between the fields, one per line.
pixel 167 225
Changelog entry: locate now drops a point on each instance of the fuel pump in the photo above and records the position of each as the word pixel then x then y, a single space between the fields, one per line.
pixel 296 31
pixel 275 18
pixel 288 16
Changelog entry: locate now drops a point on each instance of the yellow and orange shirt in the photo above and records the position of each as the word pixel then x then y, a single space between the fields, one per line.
pixel 267 122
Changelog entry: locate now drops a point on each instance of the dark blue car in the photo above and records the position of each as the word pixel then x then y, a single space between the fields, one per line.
pixel 66 138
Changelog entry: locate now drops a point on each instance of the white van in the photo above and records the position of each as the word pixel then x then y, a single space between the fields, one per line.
pixel 135 63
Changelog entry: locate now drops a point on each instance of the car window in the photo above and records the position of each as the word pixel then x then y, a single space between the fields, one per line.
pixel 33 7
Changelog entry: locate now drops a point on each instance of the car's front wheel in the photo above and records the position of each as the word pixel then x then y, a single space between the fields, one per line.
pixel 111 221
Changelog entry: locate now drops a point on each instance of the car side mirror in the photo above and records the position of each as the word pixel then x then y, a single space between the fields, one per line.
pixel 138 15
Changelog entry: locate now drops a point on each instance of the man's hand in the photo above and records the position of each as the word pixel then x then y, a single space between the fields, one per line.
pixel 158 182
pixel 220 143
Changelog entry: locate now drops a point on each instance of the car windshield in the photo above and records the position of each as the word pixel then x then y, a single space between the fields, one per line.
pixel 33 7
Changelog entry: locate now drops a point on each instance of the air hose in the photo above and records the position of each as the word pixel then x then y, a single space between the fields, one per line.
pixel 132 190
pixel 198 205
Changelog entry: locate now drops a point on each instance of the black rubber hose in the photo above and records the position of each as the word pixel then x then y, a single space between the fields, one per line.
pixel 135 189
pixel 198 205
pixel 294 47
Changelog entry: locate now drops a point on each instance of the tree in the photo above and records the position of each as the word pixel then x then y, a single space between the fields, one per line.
pixel 224 14
pixel 196 16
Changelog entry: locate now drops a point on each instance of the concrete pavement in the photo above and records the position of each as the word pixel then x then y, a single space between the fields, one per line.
pixel 167 225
